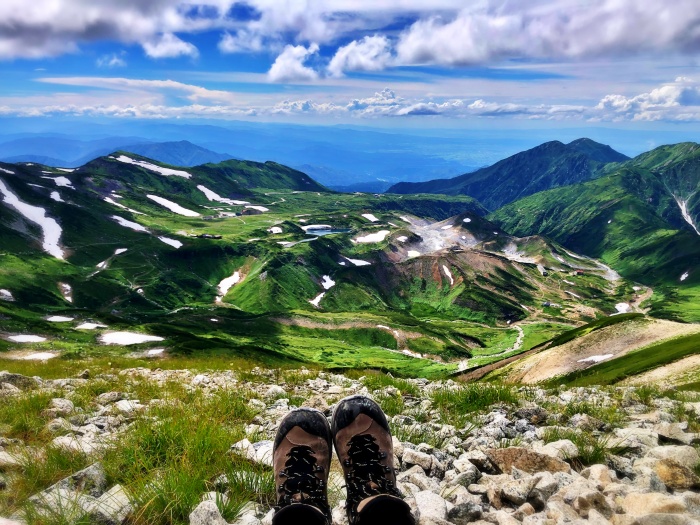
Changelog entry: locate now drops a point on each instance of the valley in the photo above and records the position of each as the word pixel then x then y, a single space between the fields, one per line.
pixel 127 256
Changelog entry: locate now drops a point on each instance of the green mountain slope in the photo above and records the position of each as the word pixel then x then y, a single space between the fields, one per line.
pixel 547 166
pixel 630 219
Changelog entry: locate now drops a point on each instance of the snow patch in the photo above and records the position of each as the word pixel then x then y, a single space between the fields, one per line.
pixel 359 262
pixel 102 265
pixel 370 217
pixel 59 319
pixel 61 182
pixel 119 251
pixel 213 196
pixel 327 282
pixel 572 294
pixel 152 167
pixel 622 308
pixel 67 291
pixel 275 230
pixel 120 205
pixel 90 326
pixel 128 224
pixel 172 206
pixel 226 284
pixel 67 170
pixel 316 300
pixel 27 338
pixel 7 171
pixel 683 205
pixel 155 351
pixel 447 227
pixel 259 208
pixel 596 358
pixel 127 338
pixel 6 295
pixel 413 253
pixel 172 242
pixel 448 273
pixel 373 237
pixel 467 220
pixel 403 238
pixel 685 276
pixel 56 196
pixel 50 228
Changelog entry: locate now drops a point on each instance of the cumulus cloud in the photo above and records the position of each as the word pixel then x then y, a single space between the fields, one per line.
pixel 169 46
pixel 372 53
pixel 679 100
pixel 552 29
pixel 289 65
pixel 242 41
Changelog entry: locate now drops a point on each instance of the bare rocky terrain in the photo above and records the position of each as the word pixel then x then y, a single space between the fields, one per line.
pixel 465 453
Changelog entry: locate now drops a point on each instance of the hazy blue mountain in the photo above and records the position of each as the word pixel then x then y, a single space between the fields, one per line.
pixel 180 153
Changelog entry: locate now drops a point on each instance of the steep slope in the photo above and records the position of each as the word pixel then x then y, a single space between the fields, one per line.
pixel 547 166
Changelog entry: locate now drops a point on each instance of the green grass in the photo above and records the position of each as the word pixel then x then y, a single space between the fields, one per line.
pixel 634 363
pixel 592 327
pixel 461 404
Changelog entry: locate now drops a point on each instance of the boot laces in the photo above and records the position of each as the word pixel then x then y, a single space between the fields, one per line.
pixel 301 484
pixel 366 475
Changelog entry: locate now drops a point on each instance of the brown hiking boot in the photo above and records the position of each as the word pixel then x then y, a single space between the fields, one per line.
pixel 301 459
pixel 363 443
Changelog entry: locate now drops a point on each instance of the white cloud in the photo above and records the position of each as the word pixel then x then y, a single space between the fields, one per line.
pixel 553 29
pixel 169 46
pixel 111 61
pixel 679 101
pixel 289 65
pixel 372 53
pixel 242 42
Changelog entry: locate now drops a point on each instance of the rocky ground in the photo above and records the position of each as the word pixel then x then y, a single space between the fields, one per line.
pixel 466 454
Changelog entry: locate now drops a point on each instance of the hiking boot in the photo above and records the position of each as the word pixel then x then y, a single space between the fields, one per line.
pixel 363 443
pixel 301 459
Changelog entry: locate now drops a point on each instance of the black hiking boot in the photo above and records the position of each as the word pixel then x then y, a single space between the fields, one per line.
pixel 363 443
pixel 301 459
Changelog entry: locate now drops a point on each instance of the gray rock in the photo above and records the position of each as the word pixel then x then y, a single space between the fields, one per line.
pixel 110 397
pixel 430 505
pixel 683 454
pixel 464 513
pixel 112 508
pixel 20 381
pixel 9 462
pixel 414 457
pixel 58 425
pixel 518 490
pixel 61 407
pixel 207 513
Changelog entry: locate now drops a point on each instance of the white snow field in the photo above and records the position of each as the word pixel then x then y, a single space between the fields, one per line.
pixel 67 291
pixel 370 217
pixel 172 206
pixel 360 262
pixel 259 208
pixel 6 295
pixel 56 196
pixel 61 182
pixel 120 205
pixel 127 338
pixel 39 356
pixel 448 273
pixel 129 224
pixel 49 227
pixel 152 167
pixel 7 171
pixel 119 251
pixel 622 308
pixel 685 276
pixel 467 220
pixel 316 300
pixel 275 230
pixel 59 319
pixel 90 326
pixel 596 358
pixel 413 253
pixel 373 237
pixel 27 338
pixel 327 282
pixel 213 196
pixel 226 284
pixel 172 242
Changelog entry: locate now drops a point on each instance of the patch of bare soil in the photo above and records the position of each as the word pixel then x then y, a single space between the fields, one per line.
pixel 601 345
pixel 677 373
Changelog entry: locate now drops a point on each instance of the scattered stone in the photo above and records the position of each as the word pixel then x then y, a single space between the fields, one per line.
pixel 112 508
pixel 526 460
pixel 207 513
pixel 414 457
pixel 683 454
pixel 637 504
pixel 9 462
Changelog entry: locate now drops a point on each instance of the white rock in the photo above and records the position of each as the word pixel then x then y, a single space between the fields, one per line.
pixel 62 407
pixel 430 505
pixel 414 457
pixel 128 407
pixel 684 454
pixel 207 513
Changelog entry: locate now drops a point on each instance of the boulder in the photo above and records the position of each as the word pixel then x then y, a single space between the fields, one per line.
pixel 430 505
pixel 683 454
pixel 61 407
pixel 9 462
pixel 207 513
pixel 414 457
pixel 526 460
pixel 637 504
pixel 19 381
pixel 112 508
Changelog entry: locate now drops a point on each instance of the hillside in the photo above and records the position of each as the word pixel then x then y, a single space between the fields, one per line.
pixel 123 243
pixel 638 220
pixel 547 166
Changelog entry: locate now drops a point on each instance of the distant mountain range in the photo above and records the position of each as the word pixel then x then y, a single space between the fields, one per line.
pixel 547 166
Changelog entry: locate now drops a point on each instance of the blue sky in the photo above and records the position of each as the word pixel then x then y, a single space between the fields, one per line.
pixel 437 63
